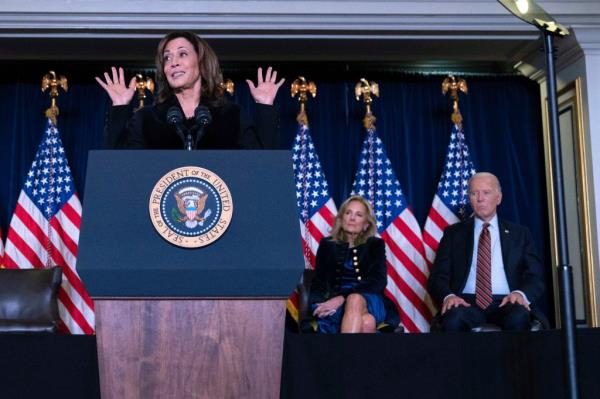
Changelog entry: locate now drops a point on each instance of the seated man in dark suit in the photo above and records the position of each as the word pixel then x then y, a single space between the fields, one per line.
pixel 486 269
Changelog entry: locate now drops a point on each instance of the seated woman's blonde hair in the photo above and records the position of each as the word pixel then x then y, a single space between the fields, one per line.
pixel 338 233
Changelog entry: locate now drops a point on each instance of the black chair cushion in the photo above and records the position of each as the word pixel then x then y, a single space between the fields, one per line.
pixel 28 300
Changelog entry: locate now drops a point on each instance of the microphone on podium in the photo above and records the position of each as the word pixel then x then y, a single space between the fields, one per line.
pixel 203 118
pixel 175 117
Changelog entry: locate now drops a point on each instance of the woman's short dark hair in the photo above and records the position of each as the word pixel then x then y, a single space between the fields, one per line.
pixel 208 65
pixel 338 233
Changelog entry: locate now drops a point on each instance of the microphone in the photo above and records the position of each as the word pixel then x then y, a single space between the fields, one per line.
pixel 202 115
pixel 203 118
pixel 175 117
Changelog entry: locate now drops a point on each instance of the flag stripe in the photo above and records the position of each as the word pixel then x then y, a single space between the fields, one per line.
pixel 86 309
pixel 412 319
pixel 73 216
pixel 328 212
pixel 310 254
pixel 408 325
pixel 74 313
pixel 314 231
pixel 430 242
pixel 27 240
pixel 406 261
pixel 60 255
pixel 441 215
pixel 410 233
pixel 409 292
pixel 68 242
pixel 72 278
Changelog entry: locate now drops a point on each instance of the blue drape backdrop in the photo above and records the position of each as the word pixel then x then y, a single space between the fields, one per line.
pixel 502 123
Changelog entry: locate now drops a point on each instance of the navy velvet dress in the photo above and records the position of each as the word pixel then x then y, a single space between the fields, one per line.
pixel 341 270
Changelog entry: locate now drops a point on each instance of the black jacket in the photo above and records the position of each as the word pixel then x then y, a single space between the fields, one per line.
pixel 453 260
pixel 371 276
pixel 229 129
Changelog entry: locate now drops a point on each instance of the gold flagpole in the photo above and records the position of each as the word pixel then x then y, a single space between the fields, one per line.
pixel 141 85
pixel 366 89
pixel 453 85
pixel 50 81
pixel 301 87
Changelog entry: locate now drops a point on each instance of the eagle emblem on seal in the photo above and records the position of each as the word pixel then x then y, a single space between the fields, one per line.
pixel 191 202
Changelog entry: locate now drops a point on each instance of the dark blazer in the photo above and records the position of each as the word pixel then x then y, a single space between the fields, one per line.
pixel 371 274
pixel 229 129
pixel 453 260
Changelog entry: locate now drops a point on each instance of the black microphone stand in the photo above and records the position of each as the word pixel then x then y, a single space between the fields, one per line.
pixel 203 118
pixel 175 117
pixel 189 141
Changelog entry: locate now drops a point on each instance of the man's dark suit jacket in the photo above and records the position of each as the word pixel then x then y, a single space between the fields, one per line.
pixel 453 261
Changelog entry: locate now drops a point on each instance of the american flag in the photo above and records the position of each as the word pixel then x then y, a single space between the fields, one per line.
pixel 396 224
pixel 316 209
pixel 450 202
pixel 1 250
pixel 44 230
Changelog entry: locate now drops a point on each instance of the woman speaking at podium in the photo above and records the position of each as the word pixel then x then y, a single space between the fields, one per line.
pixel 190 110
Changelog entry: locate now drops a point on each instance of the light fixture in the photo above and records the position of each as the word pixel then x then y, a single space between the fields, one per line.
pixel 522 6
pixel 530 12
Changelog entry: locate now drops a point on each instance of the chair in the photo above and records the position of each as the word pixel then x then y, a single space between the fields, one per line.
pixel 28 300
pixel 305 318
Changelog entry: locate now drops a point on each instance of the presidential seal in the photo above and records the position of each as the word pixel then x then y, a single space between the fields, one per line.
pixel 191 207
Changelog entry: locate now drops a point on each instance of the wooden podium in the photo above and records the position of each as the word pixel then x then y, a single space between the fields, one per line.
pixel 174 322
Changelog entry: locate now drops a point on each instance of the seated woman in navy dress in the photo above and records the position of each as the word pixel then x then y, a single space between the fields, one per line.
pixel 347 292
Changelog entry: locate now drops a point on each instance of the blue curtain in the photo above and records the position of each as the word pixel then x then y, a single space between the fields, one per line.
pixel 502 123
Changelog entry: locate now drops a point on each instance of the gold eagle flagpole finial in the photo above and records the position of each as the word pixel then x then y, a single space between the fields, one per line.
pixel 301 87
pixel 141 85
pixel 228 86
pixel 366 89
pixel 453 85
pixel 50 81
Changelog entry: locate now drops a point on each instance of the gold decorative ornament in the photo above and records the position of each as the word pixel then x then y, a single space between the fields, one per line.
pixel 453 85
pixel 141 85
pixel 50 81
pixel 365 89
pixel 300 86
pixel 227 86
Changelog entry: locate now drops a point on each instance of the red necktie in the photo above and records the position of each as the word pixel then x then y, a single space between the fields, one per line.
pixel 483 282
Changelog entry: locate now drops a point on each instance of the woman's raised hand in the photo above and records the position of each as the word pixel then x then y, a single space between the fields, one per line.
pixel 119 93
pixel 266 89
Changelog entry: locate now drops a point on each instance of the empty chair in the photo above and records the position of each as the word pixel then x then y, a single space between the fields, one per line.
pixel 28 300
